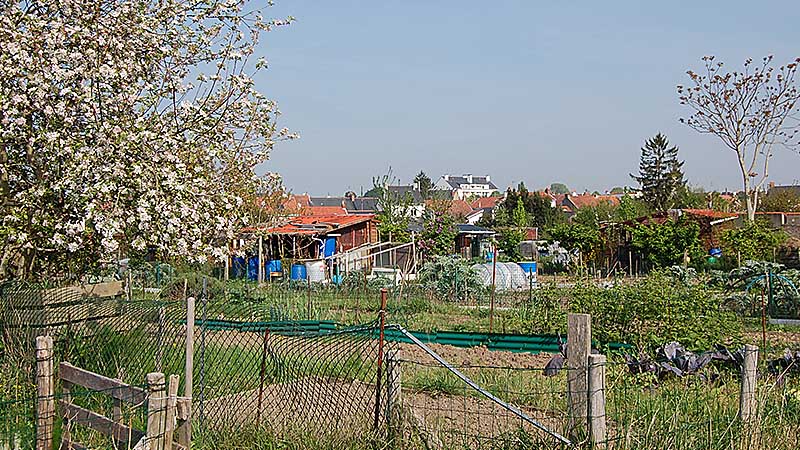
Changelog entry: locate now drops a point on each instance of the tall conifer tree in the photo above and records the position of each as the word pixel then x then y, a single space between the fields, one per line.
pixel 660 173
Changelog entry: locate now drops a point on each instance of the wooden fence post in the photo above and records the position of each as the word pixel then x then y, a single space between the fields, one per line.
pixel 156 412
pixel 185 429
pixel 45 390
pixel 579 347
pixel 394 392
pixel 597 400
pixel 747 400
pixel 172 406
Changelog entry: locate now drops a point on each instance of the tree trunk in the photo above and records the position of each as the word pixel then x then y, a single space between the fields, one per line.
pixel 748 192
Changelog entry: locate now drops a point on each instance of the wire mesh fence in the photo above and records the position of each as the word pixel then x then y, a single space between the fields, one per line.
pixel 263 371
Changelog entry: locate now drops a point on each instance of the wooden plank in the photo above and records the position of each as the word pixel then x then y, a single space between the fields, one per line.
pixel 102 424
pixel 69 313
pixel 111 387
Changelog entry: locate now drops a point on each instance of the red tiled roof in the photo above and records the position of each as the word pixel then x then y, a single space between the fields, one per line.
pixel 460 208
pixel 584 200
pixel 486 202
pixel 297 202
pixel 710 213
pixel 325 211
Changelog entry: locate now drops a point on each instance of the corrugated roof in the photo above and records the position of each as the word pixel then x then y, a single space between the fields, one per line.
pixel 466 228
pixel 311 225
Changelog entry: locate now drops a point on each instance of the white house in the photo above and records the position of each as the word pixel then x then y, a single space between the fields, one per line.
pixel 466 186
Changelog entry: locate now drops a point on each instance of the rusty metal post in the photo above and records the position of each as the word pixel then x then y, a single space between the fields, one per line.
pixel 262 376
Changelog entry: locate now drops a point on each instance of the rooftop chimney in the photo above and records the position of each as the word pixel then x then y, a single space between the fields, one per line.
pixel 446 177
pixel 488 178
pixel 469 178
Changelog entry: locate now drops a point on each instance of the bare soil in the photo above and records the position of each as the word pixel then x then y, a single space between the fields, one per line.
pixel 475 356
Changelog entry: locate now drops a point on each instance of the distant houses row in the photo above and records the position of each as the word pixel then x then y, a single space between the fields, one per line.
pixel 342 232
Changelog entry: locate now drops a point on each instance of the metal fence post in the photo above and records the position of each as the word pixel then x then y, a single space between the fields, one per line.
pixel 45 391
pixel 597 400
pixel 394 391
pixel 579 347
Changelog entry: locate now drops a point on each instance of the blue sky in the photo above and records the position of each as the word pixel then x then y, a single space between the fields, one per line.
pixel 521 90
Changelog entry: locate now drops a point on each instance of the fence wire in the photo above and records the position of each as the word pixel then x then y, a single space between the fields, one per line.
pixel 277 365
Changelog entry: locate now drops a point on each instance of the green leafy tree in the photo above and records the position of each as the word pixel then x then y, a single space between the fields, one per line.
pixel 559 188
pixel 752 241
pixel 660 173
pixel 538 210
pixel 688 198
pixel 394 209
pixel 576 236
pixel 630 208
pixel 667 244
pixel 424 184
pixel 512 235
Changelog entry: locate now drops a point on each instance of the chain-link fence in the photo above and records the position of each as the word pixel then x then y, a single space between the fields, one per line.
pixel 262 372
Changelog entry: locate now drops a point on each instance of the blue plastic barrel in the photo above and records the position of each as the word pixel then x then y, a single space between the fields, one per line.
pixel 274 265
pixel 330 247
pixel 528 267
pixel 298 271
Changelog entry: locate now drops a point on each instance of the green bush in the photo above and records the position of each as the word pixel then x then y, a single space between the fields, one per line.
pixel 656 310
pixel 753 241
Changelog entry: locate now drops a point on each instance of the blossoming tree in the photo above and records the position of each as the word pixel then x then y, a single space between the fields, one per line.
pixel 127 124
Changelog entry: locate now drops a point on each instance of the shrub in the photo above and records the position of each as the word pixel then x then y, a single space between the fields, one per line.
pixel 655 310
pixel 754 240
pixel 664 245
pixel 449 276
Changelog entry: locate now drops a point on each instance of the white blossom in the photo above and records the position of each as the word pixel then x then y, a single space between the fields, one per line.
pixel 112 136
